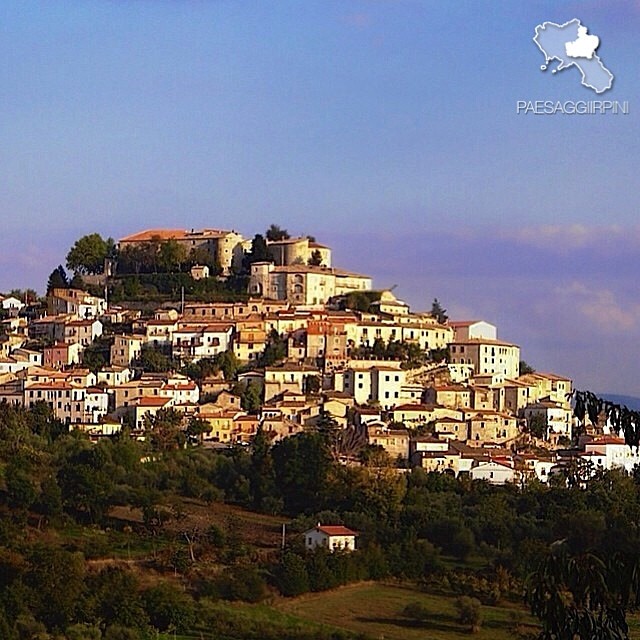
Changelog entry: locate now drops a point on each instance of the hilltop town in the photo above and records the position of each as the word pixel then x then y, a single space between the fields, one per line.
pixel 230 337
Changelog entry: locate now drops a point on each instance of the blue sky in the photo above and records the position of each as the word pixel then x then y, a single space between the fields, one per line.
pixel 386 128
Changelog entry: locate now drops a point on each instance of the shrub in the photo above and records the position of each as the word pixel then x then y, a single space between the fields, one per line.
pixel 415 611
pixel 469 613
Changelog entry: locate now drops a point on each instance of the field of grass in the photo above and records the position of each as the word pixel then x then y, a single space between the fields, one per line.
pixel 251 622
pixel 375 610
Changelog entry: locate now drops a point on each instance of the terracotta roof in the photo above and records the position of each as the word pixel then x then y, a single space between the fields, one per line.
pixel 417 407
pixel 172 234
pixel 485 341
pixel 551 376
pixel 607 440
pixel 335 530
pixel 148 401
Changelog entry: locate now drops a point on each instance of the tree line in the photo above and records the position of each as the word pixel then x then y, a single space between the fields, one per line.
pixel 540 541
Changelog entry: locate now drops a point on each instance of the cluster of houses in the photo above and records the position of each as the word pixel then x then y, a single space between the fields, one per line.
pixel 471 413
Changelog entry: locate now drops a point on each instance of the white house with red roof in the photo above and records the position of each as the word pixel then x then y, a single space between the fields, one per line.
pixel 147 407
pixel 611 452
pixel 333 537
pixel 494 472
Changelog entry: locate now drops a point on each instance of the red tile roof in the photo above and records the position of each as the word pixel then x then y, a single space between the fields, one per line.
pixel 335 530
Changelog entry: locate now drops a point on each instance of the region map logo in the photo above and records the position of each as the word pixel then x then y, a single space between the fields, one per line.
pixel 572 45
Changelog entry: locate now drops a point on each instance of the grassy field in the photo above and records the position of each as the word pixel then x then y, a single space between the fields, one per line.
pixel 375 610
pixel 251 621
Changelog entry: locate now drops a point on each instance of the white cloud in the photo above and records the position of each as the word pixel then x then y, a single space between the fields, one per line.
pixel 600 307
pixel 570 237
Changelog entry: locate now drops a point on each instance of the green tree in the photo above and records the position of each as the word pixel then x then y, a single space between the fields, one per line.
pixel 262 479
pixel 329 429
pixel 164 430
pixel 438 312
pixel 152 360
pixel 251 398
pixel 114 597
pixel 50 500
pixel 21 491
pixel 525 368
pixel 537 425
pixel 469 613
pixel 302 463
pixel 196 428
pixel 171 256
pixel 316 258
pixel 379 349
pixel 55 579
pixel 169 608
pixel 416 611
pixel 578 594
pixel 86 481
pixel 291 575
pixel 274 233
pixel 42 421
pixel 583 587
pixel 259 252
pixel 275 350
pixel 83 631
pixel 312 384
pixel 98 354
pixel 88 254
pixel 57 279
pixel 202 256
pixel 76 282
pixel 228 363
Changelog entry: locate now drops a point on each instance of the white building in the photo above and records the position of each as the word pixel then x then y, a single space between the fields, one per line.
pixel 378 383
pixel 473 330
pixel 487 356
pixel 333 537
pixel 494 472
pixel 193 342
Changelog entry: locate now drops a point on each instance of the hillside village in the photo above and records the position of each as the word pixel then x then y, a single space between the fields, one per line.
pixel 306 346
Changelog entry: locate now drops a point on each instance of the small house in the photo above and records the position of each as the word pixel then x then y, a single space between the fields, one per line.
pixel 333 537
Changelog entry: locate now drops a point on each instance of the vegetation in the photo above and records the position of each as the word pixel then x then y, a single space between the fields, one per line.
pixel 525 368
pixel 84 524
pixel 57 279
pixel 438 312
pixel 274 233
pixel 406 613
pixel 88 254
pixel 408 353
